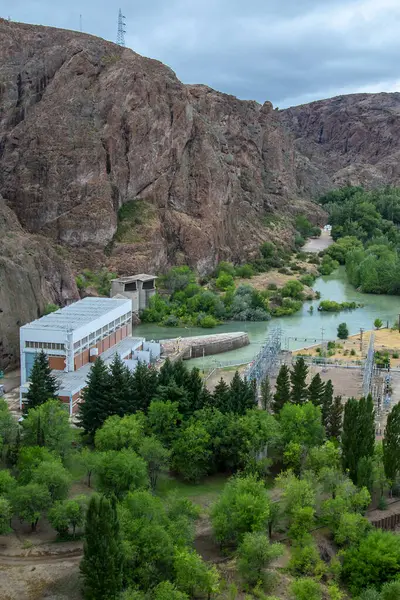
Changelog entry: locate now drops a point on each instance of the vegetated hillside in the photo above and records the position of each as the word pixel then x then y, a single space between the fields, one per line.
pixel 347 140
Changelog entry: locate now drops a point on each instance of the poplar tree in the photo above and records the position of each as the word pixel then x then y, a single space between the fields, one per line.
pixel 327 403
pixel 349 439
pixel 282 389
pixel 366 427
pixel 266 395
pixel 335 419
pixel 102 562
pixel 316 390
pixel 43 384
pixel 95 406
pixel 298 379
pixel 391 445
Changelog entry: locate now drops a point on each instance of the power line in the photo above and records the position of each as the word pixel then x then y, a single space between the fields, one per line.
pixel 121 29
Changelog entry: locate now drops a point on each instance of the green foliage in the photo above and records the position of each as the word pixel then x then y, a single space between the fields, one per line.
pixel 391 445
pixel 68 513
pixel 102 563
pixel 191 453
pixel 48 425
pixel 293 289
pixel 43 385
pixel 358 436
pixel 328 265
pixel 266 394
pixel 296 494
pixel 167 591
pixel 50 308
pixel 177 279
pixel 391 591
pixel 343 331
pixel 193 575
pixel 94 408
pixel 7 482
pixel 243 507
pixel 298 380
pixel 305 559
pixel 301 424
pixel 307 279
pixel 255 554
pixel 333 425
pixel 282 389
pixel 30 502
pixel 89 461
pixel 121 432
pixel 316 390
pixel 163 419
pixel 224 281
pixel 378 323
pixel 121 471
pixel 156 457
pixel 375 561
pixel 305 228
pixel 306 589
pixel 332 306
pixel 99 280
pixel 245 271
pixel 53 476
pixel 351 529
pixel 6 512
pixel 339 250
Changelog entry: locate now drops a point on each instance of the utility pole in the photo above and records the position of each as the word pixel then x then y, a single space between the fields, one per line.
pixel 361 338
pixel 121 29
pixel 80 23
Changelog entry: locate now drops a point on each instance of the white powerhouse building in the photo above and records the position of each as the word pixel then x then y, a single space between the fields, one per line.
pixel 74 336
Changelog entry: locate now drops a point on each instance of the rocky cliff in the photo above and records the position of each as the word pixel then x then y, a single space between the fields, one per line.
pixel 348 140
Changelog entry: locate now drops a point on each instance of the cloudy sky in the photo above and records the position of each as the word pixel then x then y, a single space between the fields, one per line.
pixel 286 51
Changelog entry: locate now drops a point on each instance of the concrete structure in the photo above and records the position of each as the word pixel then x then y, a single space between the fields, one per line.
pixel 74 336
pixel 138 288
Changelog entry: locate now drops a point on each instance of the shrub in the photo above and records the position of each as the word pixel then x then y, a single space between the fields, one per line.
pixel 171 321
pixel 306 589
pixel 224 281
pixel 245 271
pixel 50 308
pixel 307 280
pixel 352 352
pixel 207 321
pixel 225 267
pixel 272 286
pixel 343 331
pixel 255 554
pixel 305 559
pixel 292 289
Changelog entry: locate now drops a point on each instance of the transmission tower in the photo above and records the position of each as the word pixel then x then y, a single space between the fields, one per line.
pixel 121 29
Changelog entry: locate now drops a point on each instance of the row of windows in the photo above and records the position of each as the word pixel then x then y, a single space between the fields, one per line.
pixel 45 345
pixel 102 333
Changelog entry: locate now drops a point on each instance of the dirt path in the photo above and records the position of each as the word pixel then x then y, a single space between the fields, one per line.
pixel 318 244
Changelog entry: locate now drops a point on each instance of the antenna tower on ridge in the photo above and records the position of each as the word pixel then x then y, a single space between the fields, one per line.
pixel 121 29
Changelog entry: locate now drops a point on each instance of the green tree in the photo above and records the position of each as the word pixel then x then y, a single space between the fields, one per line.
pixel 156 457
pixel 193 575
pixel 342 331
pixel 365 473
pixel 391 445
pixel 391 591
pixel 296 494
pixel 89 461
pixel 167 591
pixel 145 381
pixel 53 476
pixel 8 427
pixel 242 507
pixel 301 424
pixel 351 529
pixel 375 561
pixel 117 432
pixel 335 420
pixel 121 471
pixel 282 389
pixel 306 589
pixel 191 453
pixel 163 420
pixel 68 513
pixel 6 513
pixel 30 502
pixel 43 385
pixel 221 396
pixel 378 323
pixel 316 390
pixel 255 554
pixel 102 563
pixel 30 458
pixel 7 482
pixel 266 394
pixel 242 395
pixel 298 380
pixel 94 409
pixel 51 422
pixel 120 384
pixel 327 403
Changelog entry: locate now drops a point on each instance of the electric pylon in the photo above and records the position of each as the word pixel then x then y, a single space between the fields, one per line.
pixel 121 29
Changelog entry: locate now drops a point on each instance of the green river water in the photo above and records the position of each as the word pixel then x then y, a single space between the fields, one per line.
pixel 304 326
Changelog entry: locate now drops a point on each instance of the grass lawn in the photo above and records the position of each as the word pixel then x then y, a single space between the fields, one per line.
pixel 203 493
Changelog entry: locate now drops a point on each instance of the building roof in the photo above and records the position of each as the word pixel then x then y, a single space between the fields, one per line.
pixel 78 314
pixel 131 278
pixel 70 383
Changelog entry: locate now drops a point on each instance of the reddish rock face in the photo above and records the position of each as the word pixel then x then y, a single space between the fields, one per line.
pixel 348 140
pixel 88 126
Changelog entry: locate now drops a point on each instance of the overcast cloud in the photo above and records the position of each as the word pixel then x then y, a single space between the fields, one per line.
pixel 285 51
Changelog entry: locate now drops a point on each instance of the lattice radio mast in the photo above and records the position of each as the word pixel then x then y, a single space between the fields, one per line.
pixel 121 29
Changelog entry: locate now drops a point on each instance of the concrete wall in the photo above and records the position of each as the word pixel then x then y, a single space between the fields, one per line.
pixel 207 348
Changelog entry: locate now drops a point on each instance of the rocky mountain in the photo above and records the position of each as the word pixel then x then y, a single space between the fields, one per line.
pixel 106 158
pixel 347 140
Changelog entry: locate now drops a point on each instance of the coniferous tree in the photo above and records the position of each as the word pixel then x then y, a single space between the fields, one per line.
pixel 335 419
pixel 242 395
pixel 102 562
pixel 298 379
pixel 120 385
pixel 194 386
pixel 144 384
pixel 366 427
pixel 327 403
pixel 316 390
pixel 43 384
pixel 391 445
pixel 266 394
pixel 221 396
pixel 282 389
pixel 166 373
pixel 94 408
pixel 175 393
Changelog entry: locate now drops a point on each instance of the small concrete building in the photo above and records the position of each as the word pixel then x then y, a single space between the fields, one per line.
pixel 74 336
pixel 138 288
